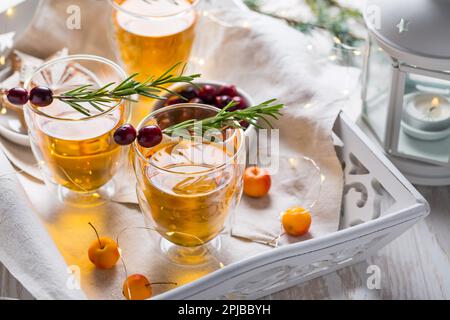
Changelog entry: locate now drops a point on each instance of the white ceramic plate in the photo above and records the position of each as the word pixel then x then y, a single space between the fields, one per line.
pixel 10 128
pixel 13 23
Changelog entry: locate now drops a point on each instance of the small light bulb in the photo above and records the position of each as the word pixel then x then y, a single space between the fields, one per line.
pixel 435 102
pixel 3 111
pixel 2 60
pixel 10 12
pixel 293 162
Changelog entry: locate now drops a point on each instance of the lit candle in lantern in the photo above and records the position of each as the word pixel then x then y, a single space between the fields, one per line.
pixel 427 112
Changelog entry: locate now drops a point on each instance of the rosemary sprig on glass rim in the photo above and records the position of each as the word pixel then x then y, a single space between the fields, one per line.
pixel 100 98
pixel 232 119
pixel 151 135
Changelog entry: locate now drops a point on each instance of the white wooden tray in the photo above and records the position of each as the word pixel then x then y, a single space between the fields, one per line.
pixel 379 205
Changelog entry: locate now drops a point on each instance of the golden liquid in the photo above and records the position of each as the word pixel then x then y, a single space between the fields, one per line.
pixel 151 46
pixel 190 207
pixel 81 156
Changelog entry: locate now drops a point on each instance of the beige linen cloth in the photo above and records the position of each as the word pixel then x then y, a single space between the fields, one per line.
pixel 264 57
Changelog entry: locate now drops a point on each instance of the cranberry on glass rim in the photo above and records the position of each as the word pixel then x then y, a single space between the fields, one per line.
pixel 149 136
pixel 41 96
pixel 125 135
pixel 17 96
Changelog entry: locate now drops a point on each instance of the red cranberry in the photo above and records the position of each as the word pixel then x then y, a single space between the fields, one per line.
pixel 125 134
pixel 149 136
pixel 17 96
pixel 244 124
pixel 41 96
pixel 189 93
pixel 173 100
pixel 240 102
pixel 222 101
pixel 207 93
pixel 196 100
pixel 229 90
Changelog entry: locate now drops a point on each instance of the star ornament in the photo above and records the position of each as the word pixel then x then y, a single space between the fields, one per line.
pixel 403 25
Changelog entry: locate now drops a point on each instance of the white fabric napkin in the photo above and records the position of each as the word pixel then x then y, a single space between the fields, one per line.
pixel 26 249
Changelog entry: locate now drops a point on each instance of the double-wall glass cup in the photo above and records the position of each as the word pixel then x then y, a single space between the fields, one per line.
pixel 188 185
pixel 76 151
pixel 152 36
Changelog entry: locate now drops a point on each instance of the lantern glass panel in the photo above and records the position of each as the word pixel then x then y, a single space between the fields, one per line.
pixel 377 80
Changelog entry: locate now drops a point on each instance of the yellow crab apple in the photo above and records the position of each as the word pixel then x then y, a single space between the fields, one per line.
pixel 103 251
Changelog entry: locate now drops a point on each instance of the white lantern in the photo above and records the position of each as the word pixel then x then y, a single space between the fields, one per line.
pixel 406 85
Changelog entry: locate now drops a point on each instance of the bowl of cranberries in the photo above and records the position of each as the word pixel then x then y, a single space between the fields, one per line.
pixel 214 93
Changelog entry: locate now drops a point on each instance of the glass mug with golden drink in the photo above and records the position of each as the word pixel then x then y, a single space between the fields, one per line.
pixel 76 151
pixel 188 186
pixel 152 36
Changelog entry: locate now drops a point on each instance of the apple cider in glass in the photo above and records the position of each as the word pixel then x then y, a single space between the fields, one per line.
pixel 191 204
pixel 81 156
pixel 152 36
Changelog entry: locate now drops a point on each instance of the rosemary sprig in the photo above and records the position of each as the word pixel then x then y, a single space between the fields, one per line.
pixel 232 119
pixel 99 98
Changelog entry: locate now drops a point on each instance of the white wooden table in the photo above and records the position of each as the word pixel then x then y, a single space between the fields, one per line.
pixel 415 266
